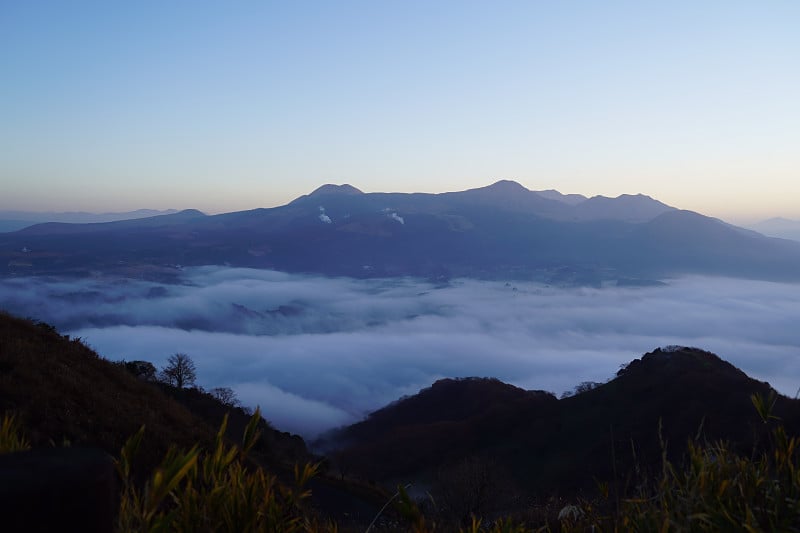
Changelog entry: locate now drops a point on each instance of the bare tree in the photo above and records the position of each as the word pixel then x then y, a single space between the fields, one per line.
pixel 180 371
pixel 225 395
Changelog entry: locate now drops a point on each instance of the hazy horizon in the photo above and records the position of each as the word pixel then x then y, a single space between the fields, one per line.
pixel 31 214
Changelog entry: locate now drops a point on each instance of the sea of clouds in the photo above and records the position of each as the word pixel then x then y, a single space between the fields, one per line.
pixel 317 353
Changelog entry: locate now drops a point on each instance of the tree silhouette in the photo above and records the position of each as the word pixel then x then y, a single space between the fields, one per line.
pixel 225 395
pixel 144 370
pixel 180 371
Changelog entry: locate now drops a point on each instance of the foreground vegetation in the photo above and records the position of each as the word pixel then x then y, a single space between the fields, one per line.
pixel 184 474
pixel 212 491
pixel 714 489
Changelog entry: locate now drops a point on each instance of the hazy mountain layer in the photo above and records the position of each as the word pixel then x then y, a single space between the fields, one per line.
pixel 16 220
pixel 779 227
pixel 499 231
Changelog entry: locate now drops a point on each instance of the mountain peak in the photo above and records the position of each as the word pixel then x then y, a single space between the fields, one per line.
pixel 506 186
pixel 669 362
pixel 188 213
pixel 330 188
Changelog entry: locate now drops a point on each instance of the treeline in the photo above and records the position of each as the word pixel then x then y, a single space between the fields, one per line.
pixel 180 372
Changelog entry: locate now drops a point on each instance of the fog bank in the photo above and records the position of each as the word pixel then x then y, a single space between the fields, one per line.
pixel 316 353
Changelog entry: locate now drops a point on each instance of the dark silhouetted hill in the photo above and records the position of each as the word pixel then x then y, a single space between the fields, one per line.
pixel 64 392
pixel 565 445
pixel 446 401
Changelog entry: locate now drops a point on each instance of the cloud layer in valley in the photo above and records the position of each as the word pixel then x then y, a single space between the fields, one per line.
pixel 316 353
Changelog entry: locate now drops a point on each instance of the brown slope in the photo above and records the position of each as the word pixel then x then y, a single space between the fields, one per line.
pixel 417 432
pixel 564 446
pixel 447 400
pixel 63 391
pixel 681 393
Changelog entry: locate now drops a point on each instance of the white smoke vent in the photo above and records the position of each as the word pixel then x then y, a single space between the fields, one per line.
pixel 323 217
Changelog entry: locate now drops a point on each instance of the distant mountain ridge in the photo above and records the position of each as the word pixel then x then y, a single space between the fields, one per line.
pixel 572 199
pixel 15 220
pixel 783 228
pixel 52 228
pixel 499 231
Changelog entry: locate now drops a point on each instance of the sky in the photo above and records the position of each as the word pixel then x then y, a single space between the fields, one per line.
pixel 224 106
pixel 317 353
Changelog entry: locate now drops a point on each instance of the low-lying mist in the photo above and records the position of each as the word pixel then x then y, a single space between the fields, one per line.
pixel 316 353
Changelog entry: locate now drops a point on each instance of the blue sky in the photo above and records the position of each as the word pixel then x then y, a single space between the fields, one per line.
pixel 234 105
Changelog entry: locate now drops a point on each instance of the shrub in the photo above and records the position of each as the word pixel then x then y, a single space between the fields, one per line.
pixel 213 491
pixel 11 437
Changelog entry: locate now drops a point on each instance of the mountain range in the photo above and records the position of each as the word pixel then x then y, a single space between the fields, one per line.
pixel 16 220
pixel 500 231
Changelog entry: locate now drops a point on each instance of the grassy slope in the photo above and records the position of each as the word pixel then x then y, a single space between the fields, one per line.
pixel 62 391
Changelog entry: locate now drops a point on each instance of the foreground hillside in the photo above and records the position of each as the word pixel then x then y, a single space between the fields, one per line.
pixel 491 456
pixel 537 444
pixel 63 392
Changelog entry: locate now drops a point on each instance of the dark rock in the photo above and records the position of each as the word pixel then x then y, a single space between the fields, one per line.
pixel 58 489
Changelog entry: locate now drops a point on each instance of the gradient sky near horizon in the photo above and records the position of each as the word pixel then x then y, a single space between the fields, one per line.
pixel 223 106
